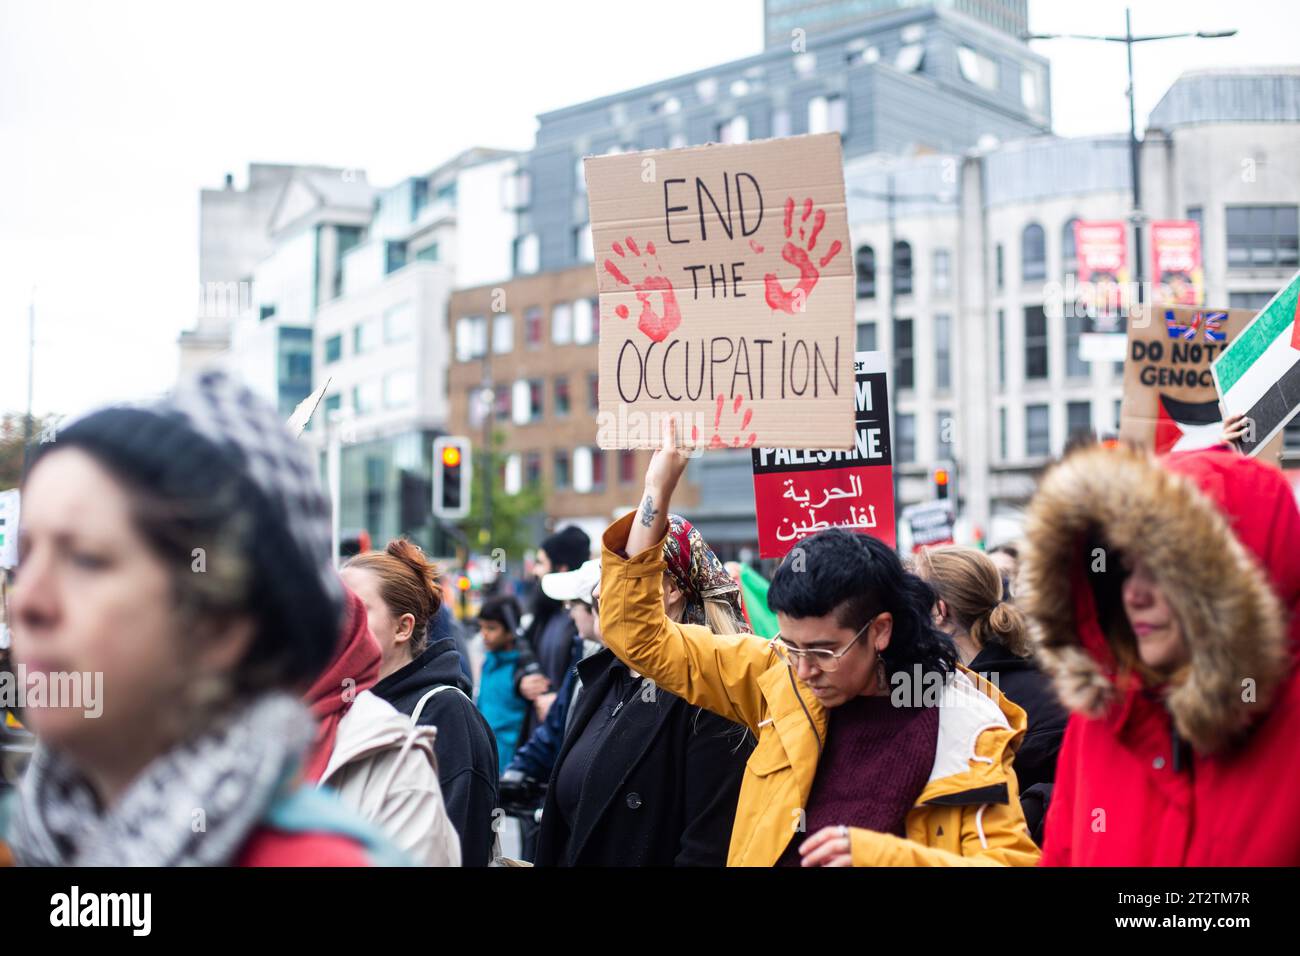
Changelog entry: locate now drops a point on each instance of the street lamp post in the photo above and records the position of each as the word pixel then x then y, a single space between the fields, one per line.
pixel 891 199
pixel 1128 39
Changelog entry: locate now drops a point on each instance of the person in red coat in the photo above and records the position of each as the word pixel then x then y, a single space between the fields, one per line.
pixel 1164 596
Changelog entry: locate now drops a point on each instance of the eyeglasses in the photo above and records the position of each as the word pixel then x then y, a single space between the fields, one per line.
pixel 824 660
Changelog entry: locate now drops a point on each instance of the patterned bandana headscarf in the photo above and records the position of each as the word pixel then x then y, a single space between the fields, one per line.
pixel 698 572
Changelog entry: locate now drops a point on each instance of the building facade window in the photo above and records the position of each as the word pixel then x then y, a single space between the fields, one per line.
pixel 597 469
pixel 999 271
pixel 501 403
pixel 526 251
pixel 942 351
pixel 471 338
pixel 1075 366
pixel 827 114
pixel 562 396
pixel 593 392
pixel 583 249
pixel 503 333
pixel 365 336
pixel 333 348
pixel 365 397
pixel 1038 431
pixel 1002 347
pixel 906 438
pixel 394 256
pixel 1069 252
pixel 902 276
pixel 1035 343
pixel 399 323
pixel 561 464
pixel 903 359
pixel 584 322
pixel 943 429
pixel 865 261
pixel 1033 253
pixel 866 337
pixel 1263 237
pixel 532 468
pixel 561 323
pixel 942 271
pixel 1002 434
pixel 533 335
pixel 399 388
pixel 535 401
pixel 627 470
pixel 1078 421
pixel 1249 300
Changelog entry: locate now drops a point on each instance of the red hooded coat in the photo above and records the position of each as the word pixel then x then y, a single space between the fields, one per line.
pixel 1202 772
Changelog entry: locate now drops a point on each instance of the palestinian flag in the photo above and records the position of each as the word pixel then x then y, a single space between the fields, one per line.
pixel 1259 373
pixel 753 587
pixel 1182 426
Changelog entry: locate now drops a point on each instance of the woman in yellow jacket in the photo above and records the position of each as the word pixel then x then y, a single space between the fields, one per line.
pixel 875 748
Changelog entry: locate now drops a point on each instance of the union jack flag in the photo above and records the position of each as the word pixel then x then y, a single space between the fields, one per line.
pixel 1211 323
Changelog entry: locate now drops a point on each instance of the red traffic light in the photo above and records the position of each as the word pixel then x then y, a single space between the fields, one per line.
pixel 941 477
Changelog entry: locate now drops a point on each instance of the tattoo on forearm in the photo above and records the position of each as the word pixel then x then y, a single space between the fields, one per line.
pixel 648 512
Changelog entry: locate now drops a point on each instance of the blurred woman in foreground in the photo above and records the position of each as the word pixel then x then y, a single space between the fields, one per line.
pixel 181 552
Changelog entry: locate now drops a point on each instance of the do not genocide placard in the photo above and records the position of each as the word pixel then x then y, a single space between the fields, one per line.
pixel 726 295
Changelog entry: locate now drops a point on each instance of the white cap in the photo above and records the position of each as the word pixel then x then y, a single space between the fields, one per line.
pixel 574 585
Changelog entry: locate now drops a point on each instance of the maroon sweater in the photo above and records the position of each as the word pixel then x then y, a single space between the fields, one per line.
pixel 875 764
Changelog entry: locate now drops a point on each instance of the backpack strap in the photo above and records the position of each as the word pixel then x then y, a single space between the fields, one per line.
pixel 419 708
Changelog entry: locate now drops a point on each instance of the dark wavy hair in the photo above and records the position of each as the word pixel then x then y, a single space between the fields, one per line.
pixel 856 577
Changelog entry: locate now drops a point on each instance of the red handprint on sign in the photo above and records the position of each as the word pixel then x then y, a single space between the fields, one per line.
pixel 809 272
pixel 657 326
pixel 740 439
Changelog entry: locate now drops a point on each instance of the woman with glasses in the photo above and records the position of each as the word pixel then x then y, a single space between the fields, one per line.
pixel 643 777
pixel 875 747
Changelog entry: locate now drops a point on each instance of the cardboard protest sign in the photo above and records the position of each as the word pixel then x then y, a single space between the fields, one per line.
pixel 931 523
pixel 1258 374
pixel 800 492
pixel 1176 260
pixel 1170 403
pixel 726 295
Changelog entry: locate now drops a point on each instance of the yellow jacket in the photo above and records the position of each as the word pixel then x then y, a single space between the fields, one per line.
pixel 968 813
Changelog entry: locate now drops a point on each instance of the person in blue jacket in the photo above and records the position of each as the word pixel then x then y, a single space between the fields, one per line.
pixel 508 654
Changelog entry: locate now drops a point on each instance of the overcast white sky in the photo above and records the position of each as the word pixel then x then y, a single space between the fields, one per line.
pixel 114 114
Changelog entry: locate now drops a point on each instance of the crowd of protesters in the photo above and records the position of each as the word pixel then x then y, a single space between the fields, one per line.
pixel 1118 687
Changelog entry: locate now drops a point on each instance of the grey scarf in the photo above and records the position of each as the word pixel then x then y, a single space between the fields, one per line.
pixel 195 805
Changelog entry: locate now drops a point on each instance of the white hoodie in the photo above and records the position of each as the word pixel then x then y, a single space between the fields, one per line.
pixel 384 768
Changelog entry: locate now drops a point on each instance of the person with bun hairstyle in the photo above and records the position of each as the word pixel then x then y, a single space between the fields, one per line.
pixel 421 675
pixel 875 747
pixel 992 638
pixel 180 550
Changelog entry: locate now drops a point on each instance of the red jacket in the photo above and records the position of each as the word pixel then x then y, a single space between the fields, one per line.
pixel 1203 771
pixel 269 846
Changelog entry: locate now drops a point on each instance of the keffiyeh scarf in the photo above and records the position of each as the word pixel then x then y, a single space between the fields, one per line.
pixel 195 805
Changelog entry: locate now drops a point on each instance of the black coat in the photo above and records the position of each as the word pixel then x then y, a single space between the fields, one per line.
pixel 662 790
pixel 1021 680
pixel 465 747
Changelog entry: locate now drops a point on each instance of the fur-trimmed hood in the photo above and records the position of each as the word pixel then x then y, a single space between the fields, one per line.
pixel 1218 531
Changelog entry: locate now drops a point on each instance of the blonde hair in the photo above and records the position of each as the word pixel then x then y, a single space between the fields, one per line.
pixel 722 619
pixel 968 582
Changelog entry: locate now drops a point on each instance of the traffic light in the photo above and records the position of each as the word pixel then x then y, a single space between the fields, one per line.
pixel 941 483
pixel 451 477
